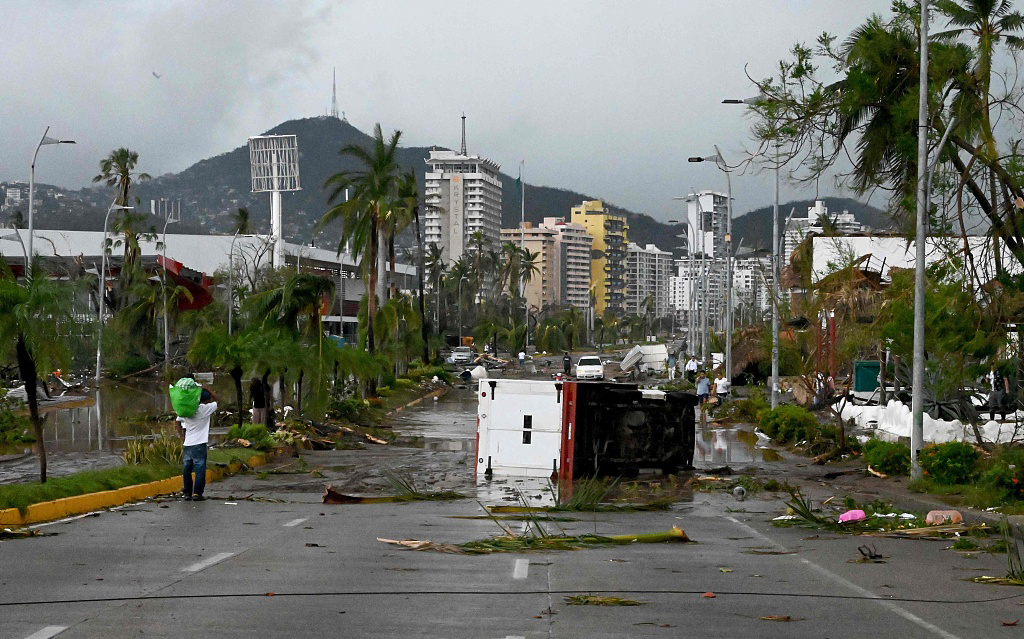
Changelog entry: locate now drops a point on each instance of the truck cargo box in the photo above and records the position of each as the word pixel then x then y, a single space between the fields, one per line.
pixel 571 430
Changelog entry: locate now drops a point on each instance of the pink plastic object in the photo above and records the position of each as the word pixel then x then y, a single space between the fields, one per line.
pixel 852 515
pixel 941 517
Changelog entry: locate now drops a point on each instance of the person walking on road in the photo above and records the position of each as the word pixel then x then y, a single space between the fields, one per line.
pixel 691 369
pixel 722 388
pixel 566 363
pixel 703 388
pixel 195 430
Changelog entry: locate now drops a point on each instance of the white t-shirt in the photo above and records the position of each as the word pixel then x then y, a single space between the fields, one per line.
pixel 197 427
pixel 722 385
pixel 691 365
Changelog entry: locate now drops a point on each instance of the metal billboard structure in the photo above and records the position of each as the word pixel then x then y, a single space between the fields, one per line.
pixel 274 168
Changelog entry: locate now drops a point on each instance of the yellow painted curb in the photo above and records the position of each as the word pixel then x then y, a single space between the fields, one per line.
pixel 81 504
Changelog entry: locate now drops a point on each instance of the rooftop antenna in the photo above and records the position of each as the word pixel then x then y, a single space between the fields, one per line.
pixel 334 93
pixel 463 151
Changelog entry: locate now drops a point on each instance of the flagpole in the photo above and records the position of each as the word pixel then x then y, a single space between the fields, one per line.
pixel 522 248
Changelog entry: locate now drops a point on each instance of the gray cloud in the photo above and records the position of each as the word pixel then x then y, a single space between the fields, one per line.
pixel 603 97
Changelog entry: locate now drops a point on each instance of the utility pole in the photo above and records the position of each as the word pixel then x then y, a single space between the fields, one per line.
pixel 917 391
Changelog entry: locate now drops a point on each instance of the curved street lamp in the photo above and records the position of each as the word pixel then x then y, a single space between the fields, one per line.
pixel 44 141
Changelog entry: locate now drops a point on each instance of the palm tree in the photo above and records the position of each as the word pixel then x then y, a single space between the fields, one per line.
pixel 35 317
pixel 213 346
pixel 572 325
pixel 373 188
pixel 435 268
pixel 409 195
pixel 118 170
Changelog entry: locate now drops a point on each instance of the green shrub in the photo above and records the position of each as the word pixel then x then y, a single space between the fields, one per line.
pixel 164 449
pixel 14 429
pixel 353 410
pixel 887 457
pixel 257 435
pixel 1005 472
pixel 788 423
pixel 749 409
pixel 429 372
pixel 235 432
pixel 950 463
pixel 127 365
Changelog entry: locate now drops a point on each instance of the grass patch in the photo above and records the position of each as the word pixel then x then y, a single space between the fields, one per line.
pixel 231 454
pixel 963 543
pixel 21 496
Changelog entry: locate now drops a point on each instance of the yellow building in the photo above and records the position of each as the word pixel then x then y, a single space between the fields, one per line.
pixel 608 266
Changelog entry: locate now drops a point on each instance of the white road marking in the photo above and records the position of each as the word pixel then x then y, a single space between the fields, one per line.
pixel 892 607
pixel 295 522
pixel 514 637
pixel 206 563
pixel 47 632
pixel 521 569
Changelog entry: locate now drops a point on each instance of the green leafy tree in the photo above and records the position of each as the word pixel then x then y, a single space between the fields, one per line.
pixel 35 318
pixel 213 346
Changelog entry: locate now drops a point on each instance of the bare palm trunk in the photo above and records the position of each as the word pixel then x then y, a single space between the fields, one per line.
pixel 371 288
pixel 392 275
pixel 28 373
pixel 236 377
pixel 420 274
pixel 298 400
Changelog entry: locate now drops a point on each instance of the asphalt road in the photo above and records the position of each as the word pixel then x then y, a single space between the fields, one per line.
pixel 185 569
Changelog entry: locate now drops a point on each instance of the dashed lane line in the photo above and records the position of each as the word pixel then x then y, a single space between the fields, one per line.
pixel 521 569
pixel 295 522
pixel 864 592
pixel 206 563
pixel 47 632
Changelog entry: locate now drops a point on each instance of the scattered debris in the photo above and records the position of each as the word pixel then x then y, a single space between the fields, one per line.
pixel 546 543
pixel 877 474
pixel 869 555
pixel 709 595
pixel 21 533
pixel 657 625
pixel 942 517
pixel 596 600
pixel 780 618
pixel 852 515
pixel 1010 623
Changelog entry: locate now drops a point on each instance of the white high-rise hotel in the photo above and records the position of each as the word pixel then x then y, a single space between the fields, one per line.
pixel 462 196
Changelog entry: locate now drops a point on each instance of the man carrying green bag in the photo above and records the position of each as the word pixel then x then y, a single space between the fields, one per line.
pixel 194 407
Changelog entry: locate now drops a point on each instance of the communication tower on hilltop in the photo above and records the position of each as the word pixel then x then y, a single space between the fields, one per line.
pixel 334 93
pixel 274 167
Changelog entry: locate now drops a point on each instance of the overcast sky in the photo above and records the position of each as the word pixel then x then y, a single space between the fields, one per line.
pixel 607 98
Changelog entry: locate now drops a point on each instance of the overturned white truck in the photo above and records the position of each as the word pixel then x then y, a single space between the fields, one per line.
pixel 571 430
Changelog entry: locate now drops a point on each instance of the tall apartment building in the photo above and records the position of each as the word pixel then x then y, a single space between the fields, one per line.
pixel 572 261
pixel 544 286
pixel 608 266
pixel 752 286
pixel 799 227
pixel 707 214
pixel 647 271
pixel 462 196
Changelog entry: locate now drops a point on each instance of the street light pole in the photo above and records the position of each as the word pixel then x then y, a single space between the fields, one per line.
pixel 720 163
pixel 163 287
pixel 917 392
pixel 43 141
pixel 114 206
pixel 775 262
pixel 461 280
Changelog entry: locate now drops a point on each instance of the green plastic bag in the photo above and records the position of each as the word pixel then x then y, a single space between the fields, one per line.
pixel 185 396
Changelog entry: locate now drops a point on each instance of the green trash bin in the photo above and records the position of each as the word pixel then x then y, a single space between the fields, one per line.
pixel 865 375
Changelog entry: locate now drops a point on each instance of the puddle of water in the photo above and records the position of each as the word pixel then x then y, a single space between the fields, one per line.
pixel 511 491
pixel 102 424
pixel 724 446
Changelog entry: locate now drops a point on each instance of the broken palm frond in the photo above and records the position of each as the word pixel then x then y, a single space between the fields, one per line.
pixel 549 543
pixel 18 533
pixel 333 496
pixel 929 533
pixel 1014 569
pixel 997 581
pixel 521 517
pixel 876 523
pixel 780 618
pixel 596 600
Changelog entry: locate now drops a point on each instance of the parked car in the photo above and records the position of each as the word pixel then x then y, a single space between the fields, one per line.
pixel 590 367
pixel 461 355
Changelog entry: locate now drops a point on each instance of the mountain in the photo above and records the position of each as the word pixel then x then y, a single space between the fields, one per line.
pixel 211 191
pixel 755 227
